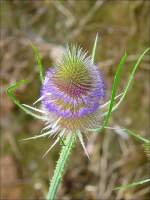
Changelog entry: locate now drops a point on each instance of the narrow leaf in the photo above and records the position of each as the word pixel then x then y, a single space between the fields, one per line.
pixel 10 91
pixel 134 184
pixel 114 89
pixel 39 62
pixel 94 48
pixel 129 81
pixel 137 136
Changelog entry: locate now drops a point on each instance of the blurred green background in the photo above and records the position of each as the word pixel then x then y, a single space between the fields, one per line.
pixel 123 25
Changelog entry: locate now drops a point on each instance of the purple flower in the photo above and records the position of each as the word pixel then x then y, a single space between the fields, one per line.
pixel 71 94
pixel 72 91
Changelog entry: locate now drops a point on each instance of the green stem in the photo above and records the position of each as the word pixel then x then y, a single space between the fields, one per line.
pixel 60 166
pixel 39 62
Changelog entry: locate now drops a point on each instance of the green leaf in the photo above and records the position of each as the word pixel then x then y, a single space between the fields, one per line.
pixel 94 48
pixel 146 142
pixel 137 136
pixel 132 185
pixel 114 88
pixel 10 91
pixel 135 66
pixel 39 62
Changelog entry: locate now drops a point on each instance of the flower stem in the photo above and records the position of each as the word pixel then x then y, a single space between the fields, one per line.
pixel 60 166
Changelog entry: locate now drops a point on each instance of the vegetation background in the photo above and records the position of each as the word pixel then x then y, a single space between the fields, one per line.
pixel 123 25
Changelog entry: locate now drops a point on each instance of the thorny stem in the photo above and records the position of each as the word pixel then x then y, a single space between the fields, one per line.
pixel 60 166
pixel 65 151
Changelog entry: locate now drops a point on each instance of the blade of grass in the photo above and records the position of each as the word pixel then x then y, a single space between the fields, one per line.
pixel 129 81
pixel 94 48
pixel 146 142
pixel 39 62
pixel 137 136
pixel 134 184
pixel 10 91
pixel 114 89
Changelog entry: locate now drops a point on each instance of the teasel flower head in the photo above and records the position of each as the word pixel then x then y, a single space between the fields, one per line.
pixel 71 95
